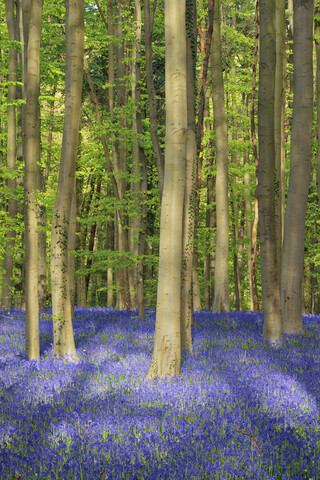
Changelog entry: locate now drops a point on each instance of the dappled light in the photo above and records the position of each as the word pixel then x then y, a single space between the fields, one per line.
pixel 239 407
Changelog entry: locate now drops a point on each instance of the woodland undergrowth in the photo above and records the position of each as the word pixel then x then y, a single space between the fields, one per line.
pixel 240 408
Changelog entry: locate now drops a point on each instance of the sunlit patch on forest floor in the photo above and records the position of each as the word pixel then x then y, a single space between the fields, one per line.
pixel 239 410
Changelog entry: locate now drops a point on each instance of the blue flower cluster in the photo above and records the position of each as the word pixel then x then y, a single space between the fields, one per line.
pixel 239 410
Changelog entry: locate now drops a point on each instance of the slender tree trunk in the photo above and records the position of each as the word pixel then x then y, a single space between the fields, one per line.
pixel 93 229
pixel 254 245
pixel 317 48
pixel 297 199
pixel 6 300
pixel 123 276
pixel 126 274
pixel 205 45
pixel 234 201
pixel 166 357
pixel 272 328
pixel 19 287
pixel 110 248
pixel 205 49
pixel 42 244
pixel 248 213
pixel 279 111
pixel 148 274
pixel 138 159
pixel 72 245
pixel 236 269
pixel 148 27
pixel 221 291
pixel 189 194
pixel 80 279
pixel 19 302
pixel 315 296
pixel 1 129
pixel 290 14
pixel 209 260
pixel 61 302
pixel 32 36
pixel 196 294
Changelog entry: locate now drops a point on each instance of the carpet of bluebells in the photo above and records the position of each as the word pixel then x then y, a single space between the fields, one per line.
pixel 240 409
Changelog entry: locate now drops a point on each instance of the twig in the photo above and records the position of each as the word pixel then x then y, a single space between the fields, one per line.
pixel 254 440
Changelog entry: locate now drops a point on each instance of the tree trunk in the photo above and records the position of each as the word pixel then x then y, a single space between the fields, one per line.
pixel 189 193
pixel 6 300
pixel 72 245
pixel 32 36
pixel 19 302
pixel 254 245
pixel 80 279
pixel 166 357
pixel 148 26
pixel 209 260
pixel 110 248
pixel 290 15
pixel 248 213
pixel 236 269
pixel 61 302
pixel 138 158
pixel 272 328
pixel 42 244
pixel 317 45
pixel 234 200
pixel 279 111
pixel 221 288
pixel 124 277
pixel 297 199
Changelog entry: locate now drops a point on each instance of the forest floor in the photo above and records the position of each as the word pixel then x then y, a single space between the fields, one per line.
pixel 240 408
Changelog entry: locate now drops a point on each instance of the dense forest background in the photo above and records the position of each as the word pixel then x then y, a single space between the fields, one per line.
pixel 113 240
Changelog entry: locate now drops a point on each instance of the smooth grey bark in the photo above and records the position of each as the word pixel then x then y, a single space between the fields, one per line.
pixel 221 301
pixel 32 36
pixel 61 303
pixel 294 232
pixel 272 327
pixel 166 356
pixel 6 293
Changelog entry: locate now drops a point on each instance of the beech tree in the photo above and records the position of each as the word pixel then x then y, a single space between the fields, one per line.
pixel 295 216
pixel 32 11
pixel 61 300
pixel 166 356
pixel 279 111
pixel 221 302
pixel 6 300
pixel 272 327
pixel 189 193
